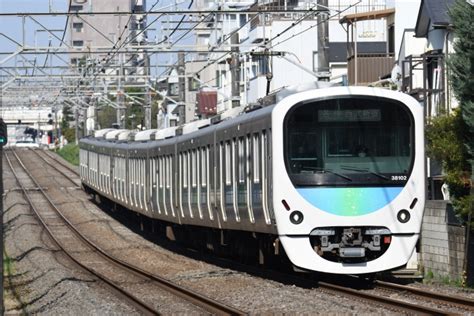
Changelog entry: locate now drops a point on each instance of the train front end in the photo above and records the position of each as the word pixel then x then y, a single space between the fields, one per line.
pixel 349 178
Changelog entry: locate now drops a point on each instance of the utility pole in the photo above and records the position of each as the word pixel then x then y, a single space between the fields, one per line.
pixel 182 89
pixel 323 43
pixel 120 98
pixel 56 125
pixel 3 141
pixel 235 70
pixel 148 107
pixel 76 117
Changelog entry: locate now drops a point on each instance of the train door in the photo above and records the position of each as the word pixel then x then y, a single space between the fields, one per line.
pixel 249 176
pixel 169 184
pixel 140 182
pixel 269 174
pixel 144 182
pixel 221 183
pixel 151 183
pixel 228 177
pixel 109 177
pixel 204 201
pixel 234 173
pixel 241 177
pixel 258 164
pixel 131 174
pixel 118 173
pixel 264 174
pixel 183 183
pixel 162 185
pixel 113 177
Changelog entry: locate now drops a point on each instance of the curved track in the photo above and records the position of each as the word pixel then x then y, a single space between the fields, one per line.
pixel 437 298
pixel 392 304
pixel 114 272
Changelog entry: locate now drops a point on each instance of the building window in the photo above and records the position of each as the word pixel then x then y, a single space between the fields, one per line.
pixel 75 8
pixel 78 43
pixel 315 61
pixel 193 84
pixel 218 79
pixel 78 26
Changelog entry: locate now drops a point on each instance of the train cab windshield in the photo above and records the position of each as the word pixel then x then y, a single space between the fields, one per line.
pixel 349 141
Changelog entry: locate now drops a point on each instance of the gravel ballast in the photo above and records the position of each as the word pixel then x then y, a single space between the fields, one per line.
pixel 50 284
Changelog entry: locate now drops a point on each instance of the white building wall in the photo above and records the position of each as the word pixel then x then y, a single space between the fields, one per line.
pixel 301 49
pixel 410 45
pixel 367 31
pixel 406 13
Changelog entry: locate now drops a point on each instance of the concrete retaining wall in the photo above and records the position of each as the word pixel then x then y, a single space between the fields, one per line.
pixel 442 241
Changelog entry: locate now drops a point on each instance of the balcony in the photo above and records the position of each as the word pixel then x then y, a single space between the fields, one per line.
pixel 364 69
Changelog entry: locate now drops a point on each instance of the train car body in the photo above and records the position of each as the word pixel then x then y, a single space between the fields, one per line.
pixel 336 175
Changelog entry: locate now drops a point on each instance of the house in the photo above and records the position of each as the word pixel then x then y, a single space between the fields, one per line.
pixel 434 26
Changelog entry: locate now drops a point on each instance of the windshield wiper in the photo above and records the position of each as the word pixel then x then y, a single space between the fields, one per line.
pixel 328 171
pixel 365 170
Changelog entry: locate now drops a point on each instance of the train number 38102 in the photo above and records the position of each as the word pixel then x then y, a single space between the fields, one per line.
pixel 399 178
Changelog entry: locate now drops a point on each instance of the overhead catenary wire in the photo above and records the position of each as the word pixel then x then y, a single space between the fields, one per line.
pixel 286 39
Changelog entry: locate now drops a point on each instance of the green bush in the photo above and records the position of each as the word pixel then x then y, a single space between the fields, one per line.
pixel 69 134
pixel 445 136
pixel 70 153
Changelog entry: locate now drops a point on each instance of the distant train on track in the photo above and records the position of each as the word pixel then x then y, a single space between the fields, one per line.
pixel 333 179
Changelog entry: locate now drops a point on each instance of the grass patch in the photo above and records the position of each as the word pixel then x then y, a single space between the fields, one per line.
pixel 7 265
pixel 70 152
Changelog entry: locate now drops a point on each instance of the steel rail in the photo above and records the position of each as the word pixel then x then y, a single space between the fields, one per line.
pixel 383 300
pixel 462 302
pixel 389 303
pixel 195 298
pixel 56 168
pixel 386 301
pixel 52 156
pixel 143 307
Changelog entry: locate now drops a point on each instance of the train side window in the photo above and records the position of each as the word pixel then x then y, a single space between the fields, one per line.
pixel 249 157
pixel 185 169
pixel 228 170
pixel 194 168
pixel 241 149
pixel 203 166
pixel 256 158
pixel 160 171
pixel 168 172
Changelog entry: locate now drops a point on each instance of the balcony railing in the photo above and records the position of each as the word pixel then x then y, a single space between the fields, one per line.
pixel 370 67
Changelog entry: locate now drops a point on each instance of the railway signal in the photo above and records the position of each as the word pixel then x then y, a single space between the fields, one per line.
pixel 3 133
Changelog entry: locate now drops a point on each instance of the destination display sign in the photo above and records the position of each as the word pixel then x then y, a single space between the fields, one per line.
pixel 368 115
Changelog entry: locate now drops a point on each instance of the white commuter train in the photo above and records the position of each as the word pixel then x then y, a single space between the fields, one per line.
pixel 334 176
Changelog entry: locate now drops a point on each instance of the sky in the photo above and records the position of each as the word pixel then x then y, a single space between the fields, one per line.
pixel 12 26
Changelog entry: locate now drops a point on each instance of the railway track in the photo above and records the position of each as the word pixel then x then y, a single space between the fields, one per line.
pixel 64 170
pixel 57 160
pixel 123 278
pixel 434 299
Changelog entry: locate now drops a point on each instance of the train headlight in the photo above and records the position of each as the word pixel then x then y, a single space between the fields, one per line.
pixel 296 217
pixel 403 216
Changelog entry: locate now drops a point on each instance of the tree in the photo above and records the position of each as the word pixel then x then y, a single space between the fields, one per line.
pixel 461 64
pixel 66 130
